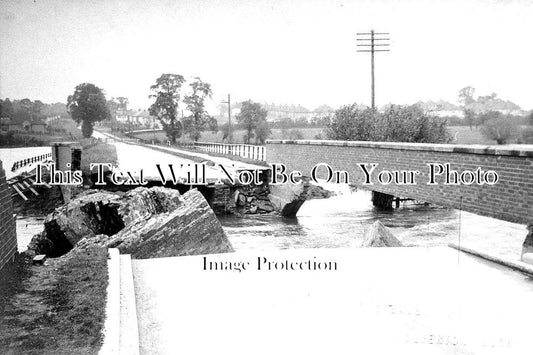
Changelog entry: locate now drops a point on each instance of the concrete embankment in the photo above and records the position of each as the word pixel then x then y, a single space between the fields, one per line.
pixel 513 264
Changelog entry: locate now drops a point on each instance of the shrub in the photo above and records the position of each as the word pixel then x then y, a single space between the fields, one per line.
pixel 295 134
pixel 395 124
pixel 499 127
pixel 526 136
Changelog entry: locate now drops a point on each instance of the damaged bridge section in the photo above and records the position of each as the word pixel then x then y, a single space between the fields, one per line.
pixel 510 198
pixel 144 222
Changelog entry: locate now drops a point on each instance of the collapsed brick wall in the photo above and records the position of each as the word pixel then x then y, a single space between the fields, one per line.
pixel 220 199
pixel 510 199
pixel 8 236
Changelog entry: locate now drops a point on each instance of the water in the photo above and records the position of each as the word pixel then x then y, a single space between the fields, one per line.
pixel 30 215
pixel 27 227
pixel 341 221
pixel 8 156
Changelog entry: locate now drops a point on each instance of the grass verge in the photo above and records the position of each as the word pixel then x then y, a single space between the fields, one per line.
pixel 96 151
pixel 58 308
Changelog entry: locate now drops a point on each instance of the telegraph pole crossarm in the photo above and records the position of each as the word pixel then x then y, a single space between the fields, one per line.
pixel 369 39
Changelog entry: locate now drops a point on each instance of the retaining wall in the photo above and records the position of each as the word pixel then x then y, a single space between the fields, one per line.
pixel 8 234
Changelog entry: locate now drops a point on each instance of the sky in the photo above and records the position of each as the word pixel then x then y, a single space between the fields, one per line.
pixel 286 52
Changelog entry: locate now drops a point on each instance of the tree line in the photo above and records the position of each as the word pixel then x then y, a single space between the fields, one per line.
pixel 28 110
pixel 88 105
pixel 485 112
pixel 167 94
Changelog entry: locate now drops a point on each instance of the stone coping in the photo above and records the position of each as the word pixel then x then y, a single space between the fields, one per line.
pixel 64 144
pixel 111 330
pixel 517 150
pixel 513 264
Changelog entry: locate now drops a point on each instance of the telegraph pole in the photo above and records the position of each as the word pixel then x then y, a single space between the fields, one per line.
pixel 373 39
pixel 229 116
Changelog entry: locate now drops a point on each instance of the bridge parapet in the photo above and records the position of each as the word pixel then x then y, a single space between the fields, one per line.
pixel 254 152
pixel 510 198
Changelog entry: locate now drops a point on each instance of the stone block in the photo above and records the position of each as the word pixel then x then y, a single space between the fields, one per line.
pixel 39 259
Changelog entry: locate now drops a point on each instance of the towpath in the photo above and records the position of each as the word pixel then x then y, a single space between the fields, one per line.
pixel 133 157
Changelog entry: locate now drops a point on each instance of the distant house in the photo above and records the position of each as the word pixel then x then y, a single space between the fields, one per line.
pixel 22 125
pixel 441 108
pixel 493 103
pixel 51 119
pixel 480 105
pixel 137 117
pixel 323 111
pixel 277 113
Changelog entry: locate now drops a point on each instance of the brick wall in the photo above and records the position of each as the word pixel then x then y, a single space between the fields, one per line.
pixel 219 197
pixel 511 198
pixel 8 236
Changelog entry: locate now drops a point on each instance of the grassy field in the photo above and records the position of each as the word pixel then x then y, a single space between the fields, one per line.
pixel 58 131
pixel 307 133
pixel 459 134
pixel 465 135
pixel 58 308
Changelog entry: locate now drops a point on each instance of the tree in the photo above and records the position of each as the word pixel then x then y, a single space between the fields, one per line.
pixel 395 124
pixel 466 95
pixel 26 108
pixel 225 132
pixel 113 106
pixel 6 108
pixel 86 106
pixel 195 101
pixel 250 116
pixel 499 127
pixel 55 109
pixel 321 121
pixel 262 132
pixel 116 104
pixel 37 108
pixel 122 102
pixel 165 108
pixel 470 117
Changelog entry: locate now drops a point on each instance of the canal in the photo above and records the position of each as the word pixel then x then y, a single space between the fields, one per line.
pixel 339 221
pixel 8 156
